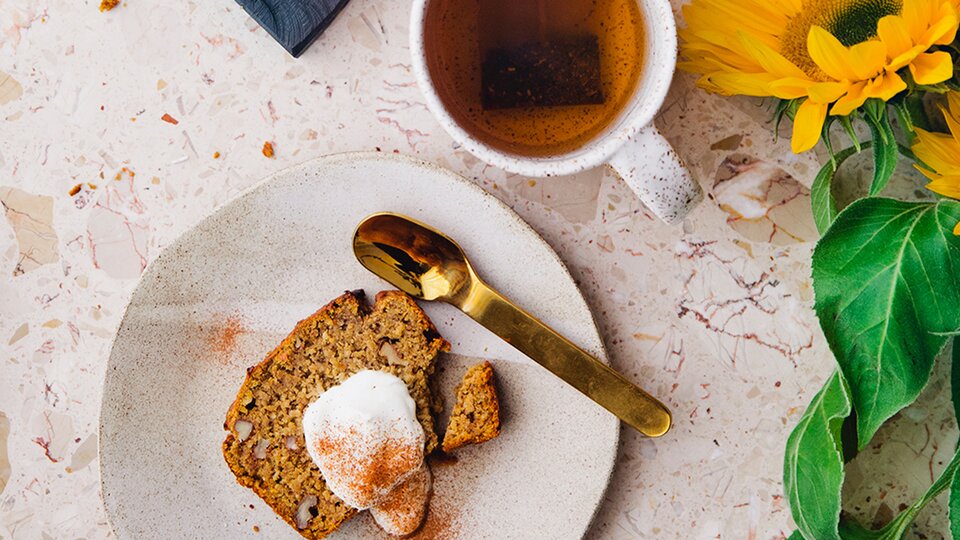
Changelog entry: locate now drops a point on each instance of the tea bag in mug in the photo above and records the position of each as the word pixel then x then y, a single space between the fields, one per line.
pixel 538 53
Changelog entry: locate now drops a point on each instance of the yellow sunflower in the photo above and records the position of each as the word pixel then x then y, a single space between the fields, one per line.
pixel 832 55
pixel 941 153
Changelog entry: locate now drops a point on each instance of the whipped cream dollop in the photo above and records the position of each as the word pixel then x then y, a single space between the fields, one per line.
pixel 364 436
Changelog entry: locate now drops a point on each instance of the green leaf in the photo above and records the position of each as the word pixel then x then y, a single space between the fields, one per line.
pixel 886 275
pixel 884 146
pixel 851 530
pixel 813 466
pixel 947 334
pixel 822 201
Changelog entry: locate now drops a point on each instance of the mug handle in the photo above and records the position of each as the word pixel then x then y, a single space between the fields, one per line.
pixel 654 171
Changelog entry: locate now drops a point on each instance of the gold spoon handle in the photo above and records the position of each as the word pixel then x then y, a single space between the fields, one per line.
pixel 561 357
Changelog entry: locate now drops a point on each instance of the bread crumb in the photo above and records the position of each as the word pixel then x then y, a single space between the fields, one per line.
pixel 268 149
pixel 476 413
pixel 107 5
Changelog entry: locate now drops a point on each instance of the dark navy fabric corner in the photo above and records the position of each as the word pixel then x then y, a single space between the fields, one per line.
pixel 293 23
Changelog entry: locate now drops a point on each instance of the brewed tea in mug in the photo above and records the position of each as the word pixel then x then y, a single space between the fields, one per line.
pixel 534 77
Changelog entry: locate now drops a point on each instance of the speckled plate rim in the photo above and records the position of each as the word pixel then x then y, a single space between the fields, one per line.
pixel 613 423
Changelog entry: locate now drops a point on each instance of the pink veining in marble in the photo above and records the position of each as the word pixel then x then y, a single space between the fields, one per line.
pixel 31 217
pixel 765 203
pixel 117 229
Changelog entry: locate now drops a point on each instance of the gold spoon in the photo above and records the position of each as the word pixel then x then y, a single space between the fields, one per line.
pixel 426 264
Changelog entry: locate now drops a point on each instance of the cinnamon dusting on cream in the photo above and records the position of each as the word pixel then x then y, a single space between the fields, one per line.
pixel 373 470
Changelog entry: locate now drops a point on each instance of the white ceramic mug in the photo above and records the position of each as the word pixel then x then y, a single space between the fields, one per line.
pixel 631 145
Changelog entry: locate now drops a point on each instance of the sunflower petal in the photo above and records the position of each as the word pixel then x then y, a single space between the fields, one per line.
pixel 770 60
pixel 956 230
pixel 953 124
pixel 868 58
pixel 915 14
pixel 807 125
pixel 892 31
pixel 953 104
pixel 905 57
pixel 886 86
pixel 746 84
pixel 830 55
pixel 932 68
pixel 944 27
pixel 948 186
pixel 791 88
pixel 926 172
pixel 856 95
pixel 938 151
pixel 827 92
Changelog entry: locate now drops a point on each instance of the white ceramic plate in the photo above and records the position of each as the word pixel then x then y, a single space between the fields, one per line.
pixel 224 294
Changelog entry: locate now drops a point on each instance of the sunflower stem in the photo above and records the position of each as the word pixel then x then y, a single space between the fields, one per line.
pixel 884 144
pixel 848 127
pixel 906 122
pixel 825 137
pixel 913 104
pixel 782 106
pixel 822 201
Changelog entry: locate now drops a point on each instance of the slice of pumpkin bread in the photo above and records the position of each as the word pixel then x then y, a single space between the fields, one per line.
pixel 265 445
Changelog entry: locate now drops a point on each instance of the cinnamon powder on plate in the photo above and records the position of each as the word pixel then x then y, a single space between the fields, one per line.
pixel 224 340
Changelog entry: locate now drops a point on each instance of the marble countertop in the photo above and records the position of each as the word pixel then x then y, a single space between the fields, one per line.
pixel 121 130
